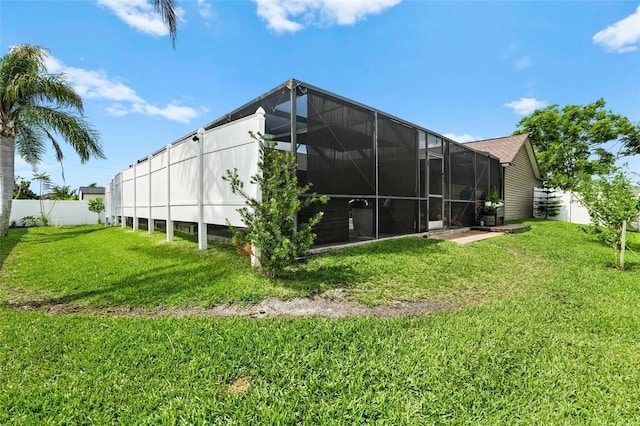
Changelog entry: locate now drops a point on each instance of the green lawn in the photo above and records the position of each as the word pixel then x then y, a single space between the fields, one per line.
pixel 547 333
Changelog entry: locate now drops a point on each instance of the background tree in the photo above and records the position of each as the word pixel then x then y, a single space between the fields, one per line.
pixel 22 190
pixel 96 205
pixel 549 203
pixel 576 141
pixel 36 107
pixel 611 203
pixel 271 220
pixel 44 183
pixel 63 192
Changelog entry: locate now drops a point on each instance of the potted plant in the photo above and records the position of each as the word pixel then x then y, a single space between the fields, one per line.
pixel 362 216
pixel 492 203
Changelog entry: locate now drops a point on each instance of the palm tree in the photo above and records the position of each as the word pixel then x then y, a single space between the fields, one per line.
pixel 36 106
pixel 63 192
pixel 167 11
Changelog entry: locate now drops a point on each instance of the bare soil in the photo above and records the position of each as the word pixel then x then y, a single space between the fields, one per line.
pixel 333 305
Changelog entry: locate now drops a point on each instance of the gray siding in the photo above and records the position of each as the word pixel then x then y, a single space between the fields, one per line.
pixel 518 190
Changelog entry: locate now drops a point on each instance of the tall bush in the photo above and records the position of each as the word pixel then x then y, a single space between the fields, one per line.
pixel 272 231
pixel 611 203
pixel 96 205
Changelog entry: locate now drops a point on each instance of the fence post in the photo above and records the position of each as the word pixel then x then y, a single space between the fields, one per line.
pixel 150 222
pixel 169 222
pixel 135 196
pixel 202 227
pixel 124 219
pixel 623 243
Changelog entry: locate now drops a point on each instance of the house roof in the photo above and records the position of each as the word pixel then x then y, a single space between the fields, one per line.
pixel 92 189
pixel 507 148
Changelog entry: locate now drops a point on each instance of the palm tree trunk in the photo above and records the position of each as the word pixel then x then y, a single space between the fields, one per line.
pixel 7 160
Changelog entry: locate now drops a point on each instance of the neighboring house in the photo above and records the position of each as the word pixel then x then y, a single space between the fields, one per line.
pixel 90 192
pixel 521 172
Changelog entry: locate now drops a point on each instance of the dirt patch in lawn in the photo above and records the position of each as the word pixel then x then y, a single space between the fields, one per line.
pixel 334 305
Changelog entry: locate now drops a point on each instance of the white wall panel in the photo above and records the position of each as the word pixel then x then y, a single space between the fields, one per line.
pixel 184 183
pixel 225 148
pixel 69 212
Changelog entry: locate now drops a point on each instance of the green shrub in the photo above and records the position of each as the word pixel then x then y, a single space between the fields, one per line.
pixel 270 221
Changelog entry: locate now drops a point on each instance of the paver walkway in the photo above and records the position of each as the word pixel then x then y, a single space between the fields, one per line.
pixel 467 237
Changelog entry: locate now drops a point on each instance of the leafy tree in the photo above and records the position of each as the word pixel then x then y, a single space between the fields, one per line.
pixel 22 190
pixel 63 193
pixel 35 107
pixel 271 219
pixel 44 181
pixel 611 203
pixel 574 141
pixel 96 205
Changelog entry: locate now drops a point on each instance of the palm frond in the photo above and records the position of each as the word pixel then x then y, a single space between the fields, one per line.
pixel 167 11
pixel 73 128
pixel 29 144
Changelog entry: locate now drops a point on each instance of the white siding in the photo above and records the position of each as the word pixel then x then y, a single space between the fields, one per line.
pixel 518 188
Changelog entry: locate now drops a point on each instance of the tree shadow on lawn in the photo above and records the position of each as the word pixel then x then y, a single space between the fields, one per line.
pixel 183 276
pixel 149 288
pixel 8 243
pixel 405 245
pixel 54 234
pixel 344 268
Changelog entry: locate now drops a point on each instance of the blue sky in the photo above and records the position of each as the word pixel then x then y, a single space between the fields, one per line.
pixel 469 70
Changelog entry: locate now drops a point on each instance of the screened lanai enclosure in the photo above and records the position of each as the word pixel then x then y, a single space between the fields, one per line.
pixel 384 176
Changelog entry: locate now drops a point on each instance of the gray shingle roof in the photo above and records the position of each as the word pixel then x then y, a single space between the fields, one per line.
pixel 505 149
pixel 92 189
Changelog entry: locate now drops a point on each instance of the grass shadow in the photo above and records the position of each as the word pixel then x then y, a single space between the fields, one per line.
pixel 8 243
pixel 54 234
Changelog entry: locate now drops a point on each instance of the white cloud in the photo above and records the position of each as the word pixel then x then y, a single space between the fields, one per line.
pixel 204 9
pixel 526 106
pixel 286 15
pixel 463 138
pixel 97 85
pixel 522 63
pixel 117 110
pixel 140 15
pixel 621 36
pixel 172 111
pixel 93 84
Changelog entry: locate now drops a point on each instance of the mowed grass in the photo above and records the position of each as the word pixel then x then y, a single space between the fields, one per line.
pixel 548 334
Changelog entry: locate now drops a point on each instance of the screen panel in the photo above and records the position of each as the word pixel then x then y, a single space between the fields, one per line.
pixel 397 158
pixel 339 147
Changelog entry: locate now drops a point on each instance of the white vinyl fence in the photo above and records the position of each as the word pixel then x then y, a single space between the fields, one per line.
pixel 183 182
pixel 57 212
pixel 571 209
